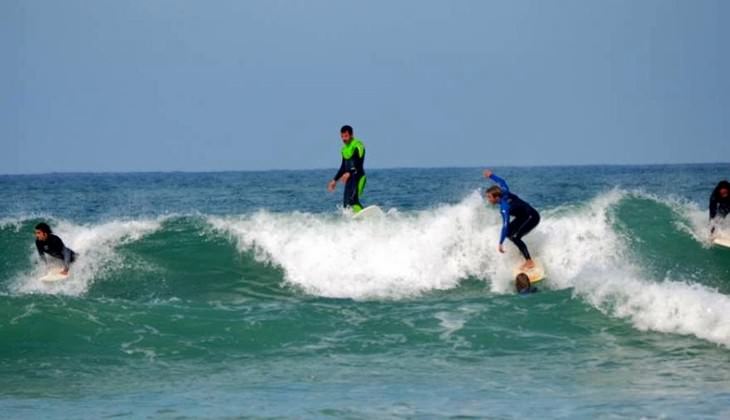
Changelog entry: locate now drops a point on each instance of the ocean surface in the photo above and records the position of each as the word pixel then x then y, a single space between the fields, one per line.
pixel 254 294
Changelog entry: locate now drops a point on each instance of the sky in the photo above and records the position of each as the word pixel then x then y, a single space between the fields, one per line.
pixel 139 85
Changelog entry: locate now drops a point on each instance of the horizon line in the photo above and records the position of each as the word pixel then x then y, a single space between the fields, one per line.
pixel 176 171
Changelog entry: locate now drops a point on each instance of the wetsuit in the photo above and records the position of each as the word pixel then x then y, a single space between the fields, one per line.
pixel 353 158
pixel 719 206
pixel 527 291
pixel 54 247
pixel 525 217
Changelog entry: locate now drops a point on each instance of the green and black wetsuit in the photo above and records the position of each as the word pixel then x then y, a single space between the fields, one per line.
pixel 353 158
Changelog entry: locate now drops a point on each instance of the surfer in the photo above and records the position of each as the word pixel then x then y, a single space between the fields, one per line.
pixel 510 205
pixel 351 172
pixel 48 243
pixel 720 202
pixel 523 285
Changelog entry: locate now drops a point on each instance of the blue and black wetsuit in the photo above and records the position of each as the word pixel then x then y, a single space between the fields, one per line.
pixel 55 247
pixel 525 217
pixel 353 159
pixel 719 206
pixel 528 290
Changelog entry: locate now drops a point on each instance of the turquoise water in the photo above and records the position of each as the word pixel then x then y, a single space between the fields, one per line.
pixel 252 294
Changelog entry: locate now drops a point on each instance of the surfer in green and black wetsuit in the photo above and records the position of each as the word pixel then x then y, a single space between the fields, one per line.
pixel 351 171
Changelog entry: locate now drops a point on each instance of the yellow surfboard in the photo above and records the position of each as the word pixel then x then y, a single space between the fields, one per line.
pixel 535 274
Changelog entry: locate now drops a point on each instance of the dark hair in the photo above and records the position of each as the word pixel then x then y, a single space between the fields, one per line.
pixel 346 129
pixel 724 184
pixel 494 190
pixel 43 227
pixel 522 282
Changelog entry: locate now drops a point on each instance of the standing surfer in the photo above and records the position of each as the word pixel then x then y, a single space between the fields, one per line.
pixel 351 172
pixel 510 205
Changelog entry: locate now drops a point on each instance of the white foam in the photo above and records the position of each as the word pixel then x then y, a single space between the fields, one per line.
pixel 96 248
pixel 396 256
pixel 406 254
pixel 666 306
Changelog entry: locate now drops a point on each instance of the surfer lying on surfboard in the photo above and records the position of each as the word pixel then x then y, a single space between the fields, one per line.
pixel 351 172
pixel 719 202
pixel 510 205
pixel 48 243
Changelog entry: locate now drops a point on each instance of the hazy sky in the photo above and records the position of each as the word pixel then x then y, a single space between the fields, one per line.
pixel 149 85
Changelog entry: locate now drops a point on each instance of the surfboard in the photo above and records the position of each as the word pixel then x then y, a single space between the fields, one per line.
pixel 722 241
pixel 53 276
pixel 369 212
pixel 535 274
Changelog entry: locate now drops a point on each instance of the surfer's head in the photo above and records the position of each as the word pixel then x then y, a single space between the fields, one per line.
pixel 493 194
pixel 723 189
pixel 42 230
pixel 346 133
pixel 522 283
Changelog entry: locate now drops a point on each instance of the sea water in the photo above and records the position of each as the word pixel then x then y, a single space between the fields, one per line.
pixel 255 294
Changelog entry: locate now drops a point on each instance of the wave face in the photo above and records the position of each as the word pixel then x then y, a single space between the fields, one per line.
pixel 195 276
pixel 405 255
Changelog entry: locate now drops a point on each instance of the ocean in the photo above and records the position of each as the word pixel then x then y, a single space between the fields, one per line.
pixel 253 294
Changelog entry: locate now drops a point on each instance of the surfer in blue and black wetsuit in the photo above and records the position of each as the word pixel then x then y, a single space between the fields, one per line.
pixel 351 172
pixel 48 243
pixel 510 205
pixel 720 202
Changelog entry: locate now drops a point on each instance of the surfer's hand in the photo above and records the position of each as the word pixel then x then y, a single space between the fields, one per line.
pixel 500 248
pixel 345 177
pixel 64 271
pixel 331 185
pixel 488 173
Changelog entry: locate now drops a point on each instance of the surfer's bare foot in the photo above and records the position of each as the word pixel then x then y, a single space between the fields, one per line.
pixel 528 265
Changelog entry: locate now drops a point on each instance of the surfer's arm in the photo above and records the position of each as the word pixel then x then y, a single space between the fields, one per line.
pixel 713 206
pixel 40 252
pixel 501 182
pixel 504 209
pixel 66 259
pixel 341 172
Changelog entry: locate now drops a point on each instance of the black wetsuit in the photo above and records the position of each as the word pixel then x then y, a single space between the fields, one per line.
pixel 54 247
pixel 356 183
pixel 525 219
pixel 719 206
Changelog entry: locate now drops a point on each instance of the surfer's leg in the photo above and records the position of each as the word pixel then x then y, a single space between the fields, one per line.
pixel 521 227
pixel 361 181
pixel 353 188
pixel 521 246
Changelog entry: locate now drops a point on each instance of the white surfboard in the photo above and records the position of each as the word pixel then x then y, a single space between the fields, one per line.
pixel 53 276
pixel 535 274
pixel 721 241
pixel 369 212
